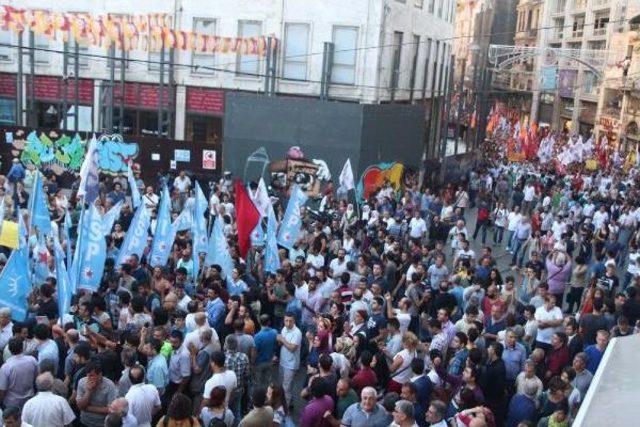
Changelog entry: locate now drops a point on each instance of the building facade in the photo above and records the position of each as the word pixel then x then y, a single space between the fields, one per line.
pixel 380 51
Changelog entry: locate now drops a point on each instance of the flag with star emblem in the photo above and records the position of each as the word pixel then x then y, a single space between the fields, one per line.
pixel 39 207
pixel 64 290
pixel 15 285
pixel 292 221
pixel 271 257
pixel 257 235
pixel 110 217
pixel 91 252
pixel 165 232
pixel 218 251
pixel 40 260
pixel 136 238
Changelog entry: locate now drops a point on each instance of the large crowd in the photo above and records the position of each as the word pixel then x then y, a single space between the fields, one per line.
pixel 489 303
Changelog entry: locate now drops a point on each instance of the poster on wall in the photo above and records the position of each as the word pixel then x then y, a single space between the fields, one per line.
pixel 182 155
pixel 208 159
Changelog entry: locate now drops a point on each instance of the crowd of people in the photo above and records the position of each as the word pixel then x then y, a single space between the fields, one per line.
pixel 400 312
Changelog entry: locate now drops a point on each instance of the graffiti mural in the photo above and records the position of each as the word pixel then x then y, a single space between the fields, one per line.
pixel 64 154
pixel 375 175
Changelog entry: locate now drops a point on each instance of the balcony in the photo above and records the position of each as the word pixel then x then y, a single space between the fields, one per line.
pixel 561 6
pixel 579 5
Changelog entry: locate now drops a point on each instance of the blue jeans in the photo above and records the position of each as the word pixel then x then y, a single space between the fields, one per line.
pixel 498 233
pixel 510 239
pixel 517 245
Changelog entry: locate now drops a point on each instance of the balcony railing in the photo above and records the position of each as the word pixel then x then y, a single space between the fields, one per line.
pixel 576 34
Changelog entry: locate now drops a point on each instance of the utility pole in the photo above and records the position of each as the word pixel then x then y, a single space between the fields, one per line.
pixel 19 81
pixel 161 92
pixel 32 83
pixel 76 82
pixel 65 84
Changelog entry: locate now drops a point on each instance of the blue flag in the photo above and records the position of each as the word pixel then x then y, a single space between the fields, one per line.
pixel 136 238
pixel 89 173
pixel 184 220
pixel 218 252
pixel 257 235
pixel 65 293
pixel 292 221
pixel 39 208
pixel 91 252
pixel 164 234
pixel 110 217
pixel 15 285
pixel 271 257
pixel 199 229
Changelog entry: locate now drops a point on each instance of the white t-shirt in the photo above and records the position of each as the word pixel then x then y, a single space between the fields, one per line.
pixel 404 371
pixel 142 399
pixel 182 184
pixel 290 359
pixel 47 409
pixel 338 267
pixel 632 267
pixel 512 220
pixel 227 379
pixel 417 228
pixel 404 319
pixel 544 335
pixel 600 218
pixel 529 193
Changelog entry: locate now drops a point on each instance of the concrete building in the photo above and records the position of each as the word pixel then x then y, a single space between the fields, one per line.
pixel 383 51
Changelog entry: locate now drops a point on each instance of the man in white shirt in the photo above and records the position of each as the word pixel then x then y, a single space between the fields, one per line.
pixel 221 377
pixel 600 217
pixel 549 318
pixel 290 339
pixel 339 265
pixel 6 326
pixel 513 219
pixel 150 200
pixel 143 399
pixel 417 226
pixel 182 183
pixel 46 409
pixel 529 194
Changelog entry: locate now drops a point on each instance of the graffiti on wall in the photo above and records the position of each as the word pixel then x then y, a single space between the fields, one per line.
pixel 63 153
pixel 375 175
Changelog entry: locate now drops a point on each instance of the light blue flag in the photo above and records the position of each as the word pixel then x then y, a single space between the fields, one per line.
pixel 67 235
pixel 257 235
pixel 136 238
pixel 23 233
pixel 110 217
pixel 65 293
pixel 199 229
pixel 165 232
pixel 15 285
pixel 271 257
pixel 39 208
pixel 91 252
pixel 90 173
pixel 135 191
pixel 218 252
pixel 184 220
pixel 292 221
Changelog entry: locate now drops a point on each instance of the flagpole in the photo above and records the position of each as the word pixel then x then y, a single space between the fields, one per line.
pixel 79 249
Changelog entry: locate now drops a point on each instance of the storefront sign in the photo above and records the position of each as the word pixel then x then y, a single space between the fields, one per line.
pixel 8 85
pixel 141 95
pixel 205 101
pixel 609 123
pixel 208 159
pixel 50 88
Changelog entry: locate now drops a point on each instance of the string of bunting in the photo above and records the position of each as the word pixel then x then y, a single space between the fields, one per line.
pixel 128 32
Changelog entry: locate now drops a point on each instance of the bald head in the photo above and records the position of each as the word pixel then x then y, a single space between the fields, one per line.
pixel 44 382
pixel 200 318
pixel 119 406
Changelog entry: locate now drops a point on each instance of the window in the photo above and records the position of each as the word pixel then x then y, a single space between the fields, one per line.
pixel 7 111
pixel 397 56
pixel 343 69
pixel 83 59
pixel 249 64
pixel 6 38
pixel 296 47
pixel 203 63
pixel 432 6
pixel 589 83
pixel 578 26
pixel 156 57
pixel 416 50
pixel 600 25
pixel 41 57
pixel 598 45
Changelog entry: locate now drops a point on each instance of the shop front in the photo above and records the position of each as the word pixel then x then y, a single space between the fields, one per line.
pixel 140 112
pixel 204 115
pixel 8 104
pixel 52 95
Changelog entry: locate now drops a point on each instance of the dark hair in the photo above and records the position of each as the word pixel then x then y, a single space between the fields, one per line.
pixel 318 387
pixel 498 348
pixel 217 396
pixel 259 396
pixel 83 350
pixel 366 358
pixel 41 331
pixel 15 346
pixel 11 412
pixel 412 387
pixel 417 366
pixel 177 334
pixel 93 366
pixel 180 408
pixel 156 344
pixel 325 361
pixel 137 304
pixel 218 359
pixel 462 337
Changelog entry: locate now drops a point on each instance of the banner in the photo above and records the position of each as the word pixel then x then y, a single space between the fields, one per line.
pixel 567 82
pixel 91 252
pixel 136 237
pixel 548 78
pixel 9 234
pixel 138 32
pixel 15 285
pixel 292 221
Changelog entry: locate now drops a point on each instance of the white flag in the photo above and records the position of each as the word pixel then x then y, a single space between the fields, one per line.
pixel 346 177
pixel 136 199
pixel 261 198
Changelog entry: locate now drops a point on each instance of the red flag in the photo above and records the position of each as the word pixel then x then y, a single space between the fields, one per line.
pixel 247 217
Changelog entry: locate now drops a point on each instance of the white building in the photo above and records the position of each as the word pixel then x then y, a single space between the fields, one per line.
pixel 384 50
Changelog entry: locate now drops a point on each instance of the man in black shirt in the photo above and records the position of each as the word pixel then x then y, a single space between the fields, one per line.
pixel 493 381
